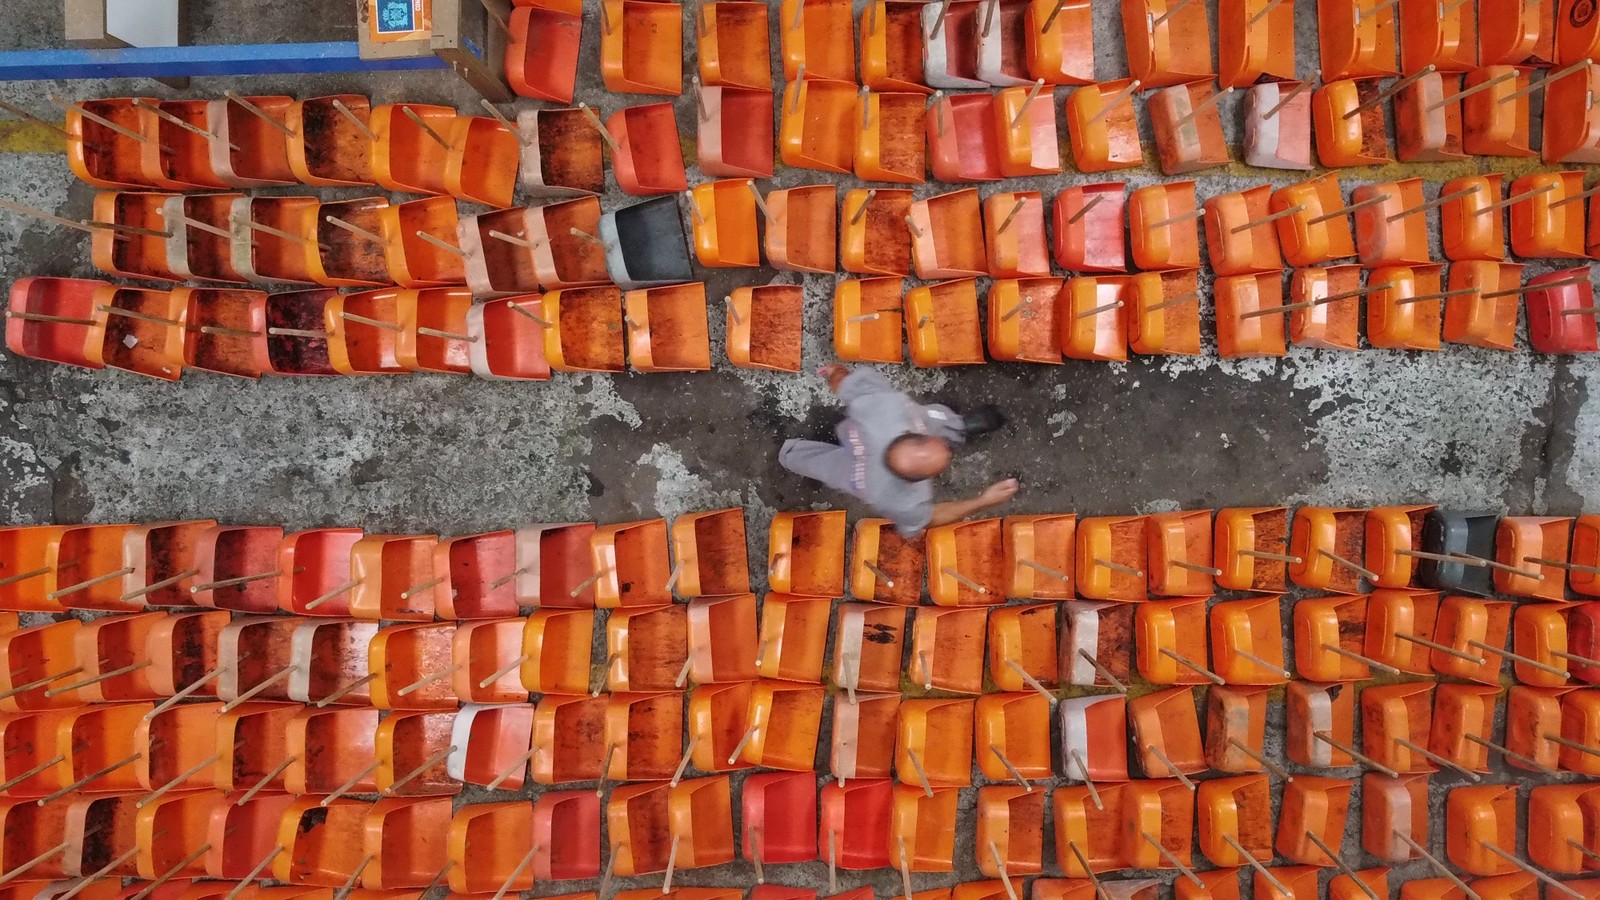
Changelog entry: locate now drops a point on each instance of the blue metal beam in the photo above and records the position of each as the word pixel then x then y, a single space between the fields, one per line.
pixel 219 59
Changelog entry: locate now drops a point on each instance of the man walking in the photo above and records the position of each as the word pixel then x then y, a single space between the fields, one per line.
pixel 890 446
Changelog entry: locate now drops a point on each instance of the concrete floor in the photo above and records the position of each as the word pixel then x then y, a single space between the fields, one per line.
pixel 1463 428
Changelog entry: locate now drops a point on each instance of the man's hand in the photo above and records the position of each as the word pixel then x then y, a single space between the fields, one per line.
pixel 833 374
pixel 999 492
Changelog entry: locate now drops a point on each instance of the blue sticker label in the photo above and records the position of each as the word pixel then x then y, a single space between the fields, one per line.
pixel 395 16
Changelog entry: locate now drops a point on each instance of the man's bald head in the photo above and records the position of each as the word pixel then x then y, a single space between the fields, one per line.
pixel 917 457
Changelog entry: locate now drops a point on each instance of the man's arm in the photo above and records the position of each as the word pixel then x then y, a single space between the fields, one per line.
pixel 997 494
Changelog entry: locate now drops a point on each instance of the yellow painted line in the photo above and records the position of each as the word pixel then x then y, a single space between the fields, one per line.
pixel 26 137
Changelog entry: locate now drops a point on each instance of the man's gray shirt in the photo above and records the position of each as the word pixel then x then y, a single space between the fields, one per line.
pixel 875 414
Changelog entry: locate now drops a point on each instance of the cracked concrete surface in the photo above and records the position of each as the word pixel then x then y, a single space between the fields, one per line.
pixel 1466 428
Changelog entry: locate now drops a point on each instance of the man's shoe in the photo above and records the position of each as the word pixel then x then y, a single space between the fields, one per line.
pixel 983 420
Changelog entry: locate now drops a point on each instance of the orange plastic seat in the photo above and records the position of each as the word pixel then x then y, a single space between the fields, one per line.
pixel 1472 634
pixel 394 577
pixel 492 745
pixel 667 328
pixel 631 560
pixel 412 750
pixel 252 145
pixel 784 721
pixel 641 48
pixel 486 842
pixel 1347 120
pixel 724 217
pixel 329 659
pixel 779 812
pixel 817 125
pixel 1478 819
pixel 1321 725
pixel 1485 313
pixel 898 562
pixel 942 324
pixel 85 567
pixel 1547 225
pixel 1166 729
pixel 1494 117
pixel 332 748
pixel 764 328
pixel 648 158
pixel 1405 307
pixel 864 734
pixel 1470 224
pixel 1167 43
pixel 853 832
pixel 568 739
pixel 110 158
pixel 195 253
pixel 1524 543
pixel 1011 737
pixel 1025 123
pixel 1164 313
pixel 1014 234
pixel 1255 42
pixel 1394 811
pixel 634 816
pixel 482 649
pixel 144 331
pixel 1164 809
pixel 947 236
pixel 1395 726
pixel 1091 323
pixel 1103 127
pixel 1330 639
pixel 1356 40
pixel 1277 125
pixel 415 662
pixel 811 34
pixel 1088 830
pixel 933 747
pixel 1393 537
pixel 963 137
pixel 700 817
pixel 806 553
pixel 1324 310
pixel 1400 626
pixel 1238 241
pixel 1171 642
pixel 1327 544
pixel 123 253
pixel 415 261
pixel 867 647
pixel 1094 739
pixel 966 565
pixel 1312 227
pixel 1059 41
pixel 1188 128
pixel 1161 226
pixel 1010 832
pixel 1087 226
pixel 732 43
pixel 1247 641
pixel 1097 641
pixel 1021 320
pixel 1236 728
pixel 1393 231
pixel 793 638
pixel 412 147
pixel 77 342
pixel 947 649
pixel 646 648
pixel 1234 819
pixel 563 256
pixel 734 134
pixel 1022 647
pixel 1463 724
pixel 640 737
pixel 331 143
pixel 1560 827
pixel 922 829
pixel 866 320
pixel 1569 119
pixel 1111 558
pixel 1248 545
pixel 1442 37
pixel 343 256
pixel 873 236
pixel 1250 315
pixel 722 638
pixel 891 47
pixel 800 227
pixel 1311 817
